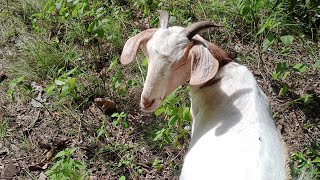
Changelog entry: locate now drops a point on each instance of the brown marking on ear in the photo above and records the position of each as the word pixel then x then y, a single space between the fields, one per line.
pixel 221 55
pixel 132 45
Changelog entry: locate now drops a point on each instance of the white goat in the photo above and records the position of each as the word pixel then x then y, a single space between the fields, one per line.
pixel 233 133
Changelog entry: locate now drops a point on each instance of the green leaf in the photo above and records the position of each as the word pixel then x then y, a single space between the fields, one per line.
pixel 266 24
pixel 300 67
pixel 317 64
pixel 159 134
pixel 284 90
pixel 285 75
pixel 59 83
pixel 275 75
pixel 72 71
pixel 122 178
pixel 287 40
pixel 62 154
pixel 50 88
pixel 172 120
pixel 115 123
pixel 159 111
pixel 115 115
pixel 144 62
pixel 268 42
pixel 64 91
pixel 72 82
pixel 317 160
pixel 117 84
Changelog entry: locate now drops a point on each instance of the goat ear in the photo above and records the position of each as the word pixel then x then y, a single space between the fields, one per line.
pixel 132 45
pixel 204 65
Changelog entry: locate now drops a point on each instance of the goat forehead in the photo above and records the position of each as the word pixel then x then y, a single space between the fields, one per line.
pixel 168 43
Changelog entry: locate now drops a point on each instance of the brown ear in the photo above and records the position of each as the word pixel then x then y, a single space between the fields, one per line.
pixel 130 48
pixel 204 65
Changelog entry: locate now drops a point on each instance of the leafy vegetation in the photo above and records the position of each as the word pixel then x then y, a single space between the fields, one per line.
pixel 64 53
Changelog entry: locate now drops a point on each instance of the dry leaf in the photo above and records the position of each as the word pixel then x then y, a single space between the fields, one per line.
pixel 105 104
pixel 38 167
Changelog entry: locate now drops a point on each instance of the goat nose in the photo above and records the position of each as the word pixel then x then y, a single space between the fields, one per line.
pixel 146 102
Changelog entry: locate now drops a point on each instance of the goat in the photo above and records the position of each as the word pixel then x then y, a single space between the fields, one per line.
pixel 233 135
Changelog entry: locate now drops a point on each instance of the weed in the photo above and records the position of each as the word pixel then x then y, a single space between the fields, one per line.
pixel 157 164
pixel 120 119
pixel 65 84
pixel 177 113
pixel 308 161
pixel 66 167
pixel 284 69
pixel 102 132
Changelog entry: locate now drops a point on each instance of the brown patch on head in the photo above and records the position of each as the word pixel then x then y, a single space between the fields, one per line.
pixel 221 55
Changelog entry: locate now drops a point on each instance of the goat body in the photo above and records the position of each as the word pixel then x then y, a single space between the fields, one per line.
pixel 233 133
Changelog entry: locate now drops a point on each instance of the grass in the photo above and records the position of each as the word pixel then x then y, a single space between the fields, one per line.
pixel 71 50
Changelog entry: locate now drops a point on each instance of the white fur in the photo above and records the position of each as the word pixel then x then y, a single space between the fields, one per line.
pixel 233 133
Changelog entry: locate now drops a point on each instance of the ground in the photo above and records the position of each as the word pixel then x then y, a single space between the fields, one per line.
pixel 36 126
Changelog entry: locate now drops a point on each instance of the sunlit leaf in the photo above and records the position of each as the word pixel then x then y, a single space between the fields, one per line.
pixel 300 67
pixel 287 40
pixel 59 83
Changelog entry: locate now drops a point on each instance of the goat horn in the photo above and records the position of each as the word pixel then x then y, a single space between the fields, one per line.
pixel 193 29
pixel 164 18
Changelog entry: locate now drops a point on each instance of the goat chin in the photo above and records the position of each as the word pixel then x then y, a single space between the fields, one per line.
pixel 233 134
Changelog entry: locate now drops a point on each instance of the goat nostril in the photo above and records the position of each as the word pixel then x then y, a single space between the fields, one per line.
pixel 147 103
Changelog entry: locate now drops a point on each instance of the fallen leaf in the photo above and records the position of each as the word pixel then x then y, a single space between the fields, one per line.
pixel 105 104
pixel 38 167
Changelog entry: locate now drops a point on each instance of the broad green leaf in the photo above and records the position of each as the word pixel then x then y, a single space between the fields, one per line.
pixel 122 178
pixel 300 67
pixel 287 40
pixel 64 91
pixel 59 83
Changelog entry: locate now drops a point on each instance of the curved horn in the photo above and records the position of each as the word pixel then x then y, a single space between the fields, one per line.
pixel 164 17
pixel 193 29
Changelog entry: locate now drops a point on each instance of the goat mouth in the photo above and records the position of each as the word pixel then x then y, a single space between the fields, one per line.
pixel 151 107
